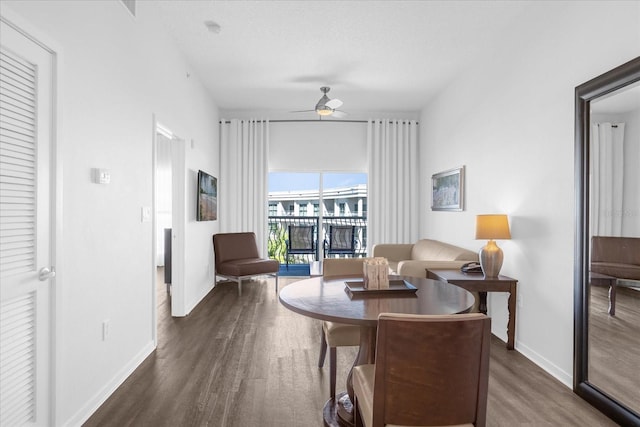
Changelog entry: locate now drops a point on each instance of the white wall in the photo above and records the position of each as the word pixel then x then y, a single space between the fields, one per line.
pixel 116 72
pixel 510 120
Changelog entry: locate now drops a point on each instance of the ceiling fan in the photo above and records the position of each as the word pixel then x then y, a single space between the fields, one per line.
pixel 326 106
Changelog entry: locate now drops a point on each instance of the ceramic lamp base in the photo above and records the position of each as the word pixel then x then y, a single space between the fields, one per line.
pixel 491 259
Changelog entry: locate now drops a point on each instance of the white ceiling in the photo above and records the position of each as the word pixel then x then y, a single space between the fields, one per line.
pixel 375 55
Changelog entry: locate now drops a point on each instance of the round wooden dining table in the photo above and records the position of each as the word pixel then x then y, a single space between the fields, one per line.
pixel 330 299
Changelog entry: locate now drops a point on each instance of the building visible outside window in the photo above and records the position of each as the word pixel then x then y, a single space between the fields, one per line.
pixel 337 194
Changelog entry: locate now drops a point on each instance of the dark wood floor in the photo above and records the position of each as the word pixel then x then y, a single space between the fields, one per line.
pixel 248 361
pixel 614 344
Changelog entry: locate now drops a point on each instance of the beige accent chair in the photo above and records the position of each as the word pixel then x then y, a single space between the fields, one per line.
pixel 237 258
pixel 338 334
pixel 412 259
pixel 429 371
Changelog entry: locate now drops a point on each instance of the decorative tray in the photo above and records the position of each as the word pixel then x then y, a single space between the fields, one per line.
pixel 397 287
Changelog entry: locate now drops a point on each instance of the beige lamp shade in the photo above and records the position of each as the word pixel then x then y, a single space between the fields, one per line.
pixel 492 227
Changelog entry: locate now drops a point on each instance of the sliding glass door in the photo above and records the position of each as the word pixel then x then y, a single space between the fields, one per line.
pixel 331 207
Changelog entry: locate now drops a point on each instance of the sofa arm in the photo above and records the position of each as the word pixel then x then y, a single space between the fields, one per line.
pixel 417 268
pixel 393 251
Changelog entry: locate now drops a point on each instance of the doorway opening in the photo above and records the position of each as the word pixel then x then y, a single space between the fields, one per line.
pixel 168 222
pixel 163 217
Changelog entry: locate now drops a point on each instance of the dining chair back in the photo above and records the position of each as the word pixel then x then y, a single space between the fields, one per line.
pixel 338 334
pixel 343 267
pixel 429 371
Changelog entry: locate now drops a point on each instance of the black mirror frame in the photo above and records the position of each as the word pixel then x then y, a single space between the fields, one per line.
pixel 604 84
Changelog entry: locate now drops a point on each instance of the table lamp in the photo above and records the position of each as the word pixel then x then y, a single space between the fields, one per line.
pixel 491 227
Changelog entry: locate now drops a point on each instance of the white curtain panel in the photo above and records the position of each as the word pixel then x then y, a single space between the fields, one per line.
pixel 606 180
pixel 392 147
pixel 242 188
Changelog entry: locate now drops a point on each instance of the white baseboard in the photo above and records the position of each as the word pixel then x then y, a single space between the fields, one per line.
pixel 553 370
pixel 94 403
pixel 203 294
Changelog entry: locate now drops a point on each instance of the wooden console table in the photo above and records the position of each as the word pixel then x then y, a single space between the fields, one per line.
pixel 475 282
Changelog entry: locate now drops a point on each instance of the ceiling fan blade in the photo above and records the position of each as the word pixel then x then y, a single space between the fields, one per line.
pixel 338 114
pixel 303 111
pixel 334 103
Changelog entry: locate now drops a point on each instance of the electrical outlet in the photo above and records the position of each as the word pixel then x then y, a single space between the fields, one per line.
pixel 105 329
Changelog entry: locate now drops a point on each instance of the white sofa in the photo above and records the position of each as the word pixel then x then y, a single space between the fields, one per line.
pixel 412 259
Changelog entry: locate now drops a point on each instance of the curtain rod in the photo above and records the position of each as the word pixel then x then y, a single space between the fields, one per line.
pixel 314 121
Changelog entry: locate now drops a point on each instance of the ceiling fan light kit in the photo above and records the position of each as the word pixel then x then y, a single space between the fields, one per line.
pixel 327 106
pixel 324 111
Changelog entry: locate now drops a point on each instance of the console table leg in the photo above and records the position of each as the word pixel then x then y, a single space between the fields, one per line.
pixel 483 302
pixel 511 325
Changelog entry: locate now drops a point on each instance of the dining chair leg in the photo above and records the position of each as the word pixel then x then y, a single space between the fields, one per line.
pixel 332 371
pixel 357 419
pixel 323 350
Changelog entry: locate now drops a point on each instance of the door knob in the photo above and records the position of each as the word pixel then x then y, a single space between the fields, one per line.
pixel 46 273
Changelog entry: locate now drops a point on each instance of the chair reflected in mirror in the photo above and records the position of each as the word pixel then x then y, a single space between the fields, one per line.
pixel 340 241
pixel 301 241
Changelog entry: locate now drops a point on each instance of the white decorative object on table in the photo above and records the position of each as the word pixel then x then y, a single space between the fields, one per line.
pixel 376 273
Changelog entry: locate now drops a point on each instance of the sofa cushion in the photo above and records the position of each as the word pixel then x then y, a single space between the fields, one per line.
pixel 621 271
pixel 393 266
pixel 248 267
pixel 417 268
pixel 434 250
pixel 341 334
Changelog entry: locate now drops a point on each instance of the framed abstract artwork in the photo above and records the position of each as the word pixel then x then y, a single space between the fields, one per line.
pixel 207 209
pixel 447 190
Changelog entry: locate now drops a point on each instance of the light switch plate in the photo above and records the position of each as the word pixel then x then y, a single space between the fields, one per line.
pixel 101 176
pixel 146 214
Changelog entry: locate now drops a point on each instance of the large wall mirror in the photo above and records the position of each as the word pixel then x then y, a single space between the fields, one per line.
pixel 607 251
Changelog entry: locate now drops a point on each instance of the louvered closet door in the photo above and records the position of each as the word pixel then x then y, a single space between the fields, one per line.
pixel 25 234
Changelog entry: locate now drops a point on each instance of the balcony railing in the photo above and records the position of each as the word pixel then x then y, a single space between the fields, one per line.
pixel 279 235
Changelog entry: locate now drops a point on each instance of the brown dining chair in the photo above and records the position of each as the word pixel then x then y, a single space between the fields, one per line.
pixel 338 334
pixel 429 371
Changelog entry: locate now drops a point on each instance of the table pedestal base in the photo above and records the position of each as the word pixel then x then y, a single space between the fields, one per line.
pixel 338 412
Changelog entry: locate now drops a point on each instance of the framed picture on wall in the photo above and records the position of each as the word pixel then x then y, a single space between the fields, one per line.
pixel 207 209
pixel 447 190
